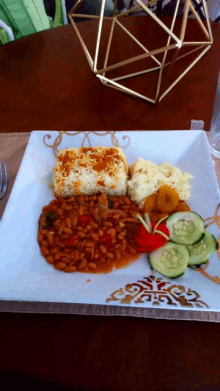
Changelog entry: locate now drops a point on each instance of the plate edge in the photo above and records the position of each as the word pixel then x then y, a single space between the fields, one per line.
pixel 108 310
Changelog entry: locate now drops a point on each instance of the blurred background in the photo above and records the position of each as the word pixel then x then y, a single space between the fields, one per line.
pixel 19 18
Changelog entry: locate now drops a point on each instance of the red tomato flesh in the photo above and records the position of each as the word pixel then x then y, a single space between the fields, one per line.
pixel 146 242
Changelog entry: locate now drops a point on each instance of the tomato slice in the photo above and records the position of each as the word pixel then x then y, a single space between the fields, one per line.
pixel 148 242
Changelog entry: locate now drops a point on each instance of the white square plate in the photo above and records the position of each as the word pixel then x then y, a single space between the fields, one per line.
pixel 26 277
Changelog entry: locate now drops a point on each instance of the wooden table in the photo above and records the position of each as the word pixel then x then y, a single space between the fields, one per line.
pixel 47 84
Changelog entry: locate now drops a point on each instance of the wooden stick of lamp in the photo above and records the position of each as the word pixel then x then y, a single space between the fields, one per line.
pixel 179 43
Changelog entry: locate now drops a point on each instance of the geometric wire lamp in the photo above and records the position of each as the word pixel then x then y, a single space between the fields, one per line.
pixel 163 57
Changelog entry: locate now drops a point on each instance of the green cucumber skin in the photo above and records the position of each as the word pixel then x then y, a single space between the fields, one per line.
pixel 194 266
pixel 171 278
pixel 197 241
pixel 174 218
pixel 196 262
pixel 180 275
pixel 216 243
pixel 198 215
pixel 202 257
pixel 157 266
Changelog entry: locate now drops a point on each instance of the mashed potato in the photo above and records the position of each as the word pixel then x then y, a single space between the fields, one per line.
pixel 147 178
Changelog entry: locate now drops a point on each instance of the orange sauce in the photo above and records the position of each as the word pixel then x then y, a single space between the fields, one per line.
pixel 88 247
pixel 125 261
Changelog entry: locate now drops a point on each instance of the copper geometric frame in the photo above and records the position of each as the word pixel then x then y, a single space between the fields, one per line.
pixel 179 43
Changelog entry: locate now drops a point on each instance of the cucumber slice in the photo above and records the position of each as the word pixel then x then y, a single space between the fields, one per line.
pixel 171 260
pixel 185 227
pixel 202 250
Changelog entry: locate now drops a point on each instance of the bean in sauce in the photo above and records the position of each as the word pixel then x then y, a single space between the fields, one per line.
pixel 75 238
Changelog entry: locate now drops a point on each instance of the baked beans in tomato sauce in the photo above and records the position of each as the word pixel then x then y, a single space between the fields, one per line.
pixel 90 234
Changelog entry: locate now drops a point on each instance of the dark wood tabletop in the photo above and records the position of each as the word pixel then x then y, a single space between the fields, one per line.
pixel 46 83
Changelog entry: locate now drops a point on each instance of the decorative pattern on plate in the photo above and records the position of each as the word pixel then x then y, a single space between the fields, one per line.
pixel 155 290
pixel 202 270
pixel 86 139
pixel 214 219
